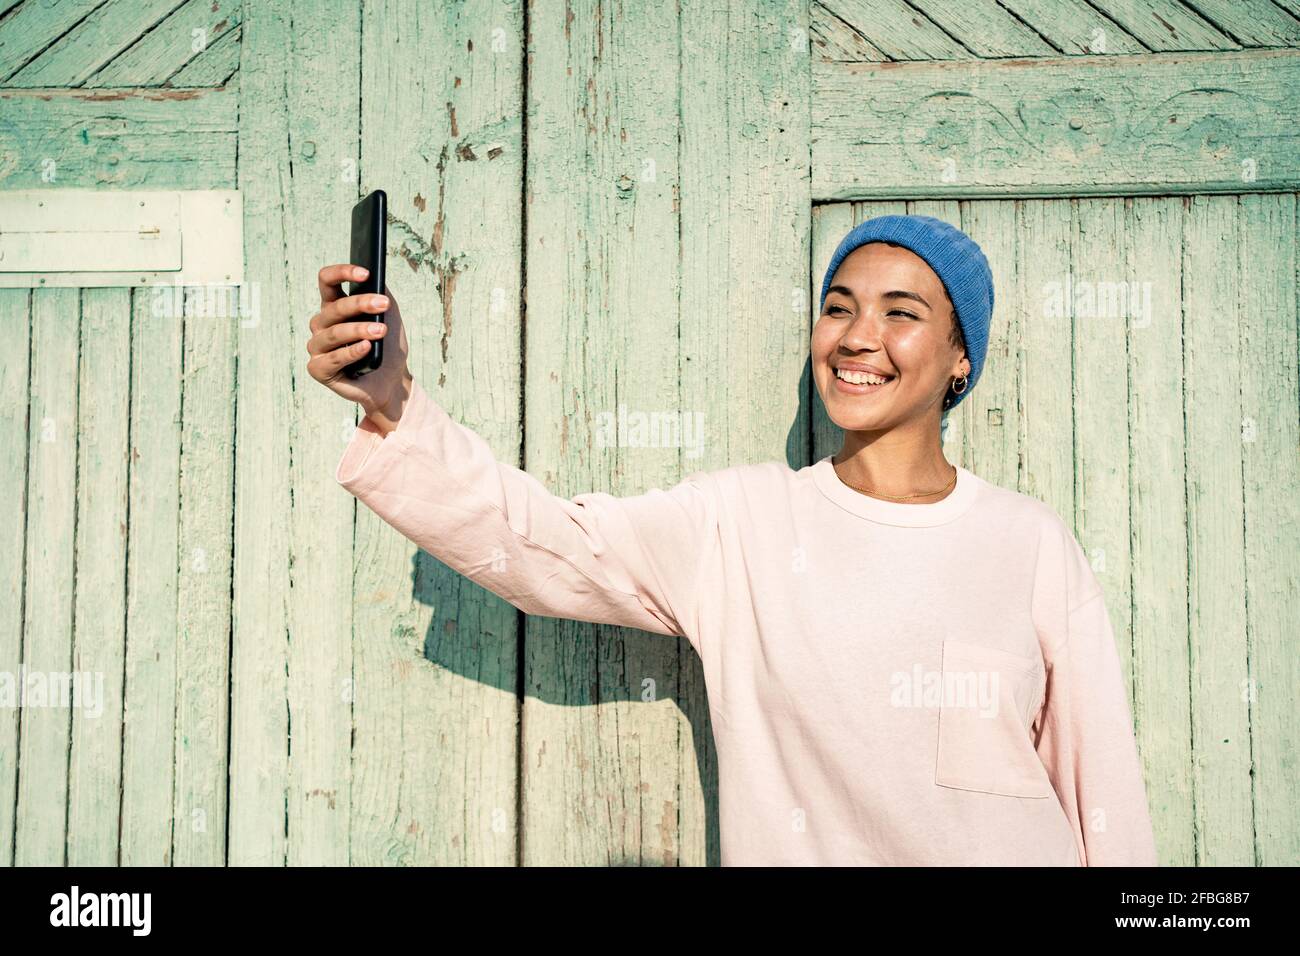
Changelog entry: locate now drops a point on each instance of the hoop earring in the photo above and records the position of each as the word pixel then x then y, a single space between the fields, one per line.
pixel 947 401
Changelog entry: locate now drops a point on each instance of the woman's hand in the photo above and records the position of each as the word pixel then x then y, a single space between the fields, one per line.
pixel 341 334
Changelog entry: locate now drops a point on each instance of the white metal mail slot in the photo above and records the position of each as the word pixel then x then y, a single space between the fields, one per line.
pixel 62 231
pixel 94 238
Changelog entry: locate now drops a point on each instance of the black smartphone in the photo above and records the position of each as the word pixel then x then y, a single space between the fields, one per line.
pixel 369 243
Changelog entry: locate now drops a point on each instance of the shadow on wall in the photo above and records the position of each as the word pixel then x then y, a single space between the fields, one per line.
pixel 473 633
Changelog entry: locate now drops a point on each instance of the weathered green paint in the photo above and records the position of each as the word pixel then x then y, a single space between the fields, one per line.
pixel 288 681
pixel 1191 123
pixel 118 139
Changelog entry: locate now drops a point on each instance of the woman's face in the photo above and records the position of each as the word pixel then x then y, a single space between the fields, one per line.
pixel 887 312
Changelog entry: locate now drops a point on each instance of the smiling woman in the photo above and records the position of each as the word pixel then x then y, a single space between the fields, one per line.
pixel 890 349
pixel 820 762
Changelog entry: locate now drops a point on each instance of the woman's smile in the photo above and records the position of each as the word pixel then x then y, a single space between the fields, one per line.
pixel 854 382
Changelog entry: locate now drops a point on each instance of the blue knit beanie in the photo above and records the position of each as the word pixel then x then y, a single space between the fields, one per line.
pixel 955 259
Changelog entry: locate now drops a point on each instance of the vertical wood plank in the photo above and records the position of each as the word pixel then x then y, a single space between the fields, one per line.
pixel 148 757
pixel 1217 607
pixel 103 424
pixel 323 96
pixel 47 611
pixel 1045 354
pixel 436 667
pixel 990 426
pixel 272 333
pixel 1107 299
pixel 203 597
pixel 1157 468
pixel 16 316
pixel 600 783
pixel 1267 256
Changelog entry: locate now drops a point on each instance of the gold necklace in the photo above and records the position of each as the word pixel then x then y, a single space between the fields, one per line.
pixel 923 494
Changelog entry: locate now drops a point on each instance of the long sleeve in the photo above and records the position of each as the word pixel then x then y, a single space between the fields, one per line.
pixel 1086 743
pixel 629 561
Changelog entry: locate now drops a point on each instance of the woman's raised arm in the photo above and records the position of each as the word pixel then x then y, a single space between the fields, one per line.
pixel 632 561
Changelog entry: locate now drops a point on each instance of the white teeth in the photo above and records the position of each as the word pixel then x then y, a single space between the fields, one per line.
pixel 860 378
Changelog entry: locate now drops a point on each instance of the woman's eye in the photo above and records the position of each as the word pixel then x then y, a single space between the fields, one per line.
pixel 902 312
pixel 835 308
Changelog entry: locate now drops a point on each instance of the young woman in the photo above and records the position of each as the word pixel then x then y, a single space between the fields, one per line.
pixel 905 664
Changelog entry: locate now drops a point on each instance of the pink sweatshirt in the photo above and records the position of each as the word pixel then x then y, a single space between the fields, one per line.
pixel 889 684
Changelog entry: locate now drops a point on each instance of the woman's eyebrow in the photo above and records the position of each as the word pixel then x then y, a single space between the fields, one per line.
pixel 894 294
pixel 901 294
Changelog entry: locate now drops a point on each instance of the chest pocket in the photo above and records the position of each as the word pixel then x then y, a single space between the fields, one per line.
pixel 989 700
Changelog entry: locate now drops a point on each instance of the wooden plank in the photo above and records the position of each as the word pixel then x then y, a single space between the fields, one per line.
pixel 322 81
pixel 203 594
pixel 990 415
pixel 987 29
pixel 1217 563
pixel 1107 300
pixel 1074 126
pixel 123 138
pixel 1074 27
pixel 92 43
pixel 1044 351
pixel 103 422
pixel 167 51
pixel 1251 22
pixel 600 769
pixel 153 553
pixel 435 752
pixel 42 801
pixel 1158 517
pixel 1270 437
pixel 900 31
pixel 15 316
pixel 31 28
pixel 833 39
pixel 1165 25
pixel 259 711
pixel 215 66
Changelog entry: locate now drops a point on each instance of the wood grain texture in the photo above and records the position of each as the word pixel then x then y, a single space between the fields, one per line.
pixel 270 340
pixel 436 715
pixel 1073 27
pixel 1079 126
pixel 1165 25
pixel 1270 438
pixel 1158 552
pixel 153 577
pixel 32 27
pixel 164 56
pixel 45 725
pixel 94 42
pixel 118 139
pixel 15 314
pixel 321 84
pixel 99 625
pixel 600 767
pixel 901 31
pixel 1216 550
